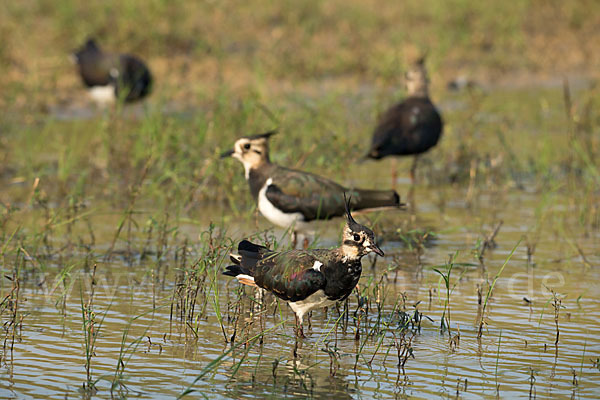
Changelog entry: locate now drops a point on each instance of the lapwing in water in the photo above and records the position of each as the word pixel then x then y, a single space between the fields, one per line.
pixel 307 279
pixel 289 198
pixel 410 127
pixel 111 76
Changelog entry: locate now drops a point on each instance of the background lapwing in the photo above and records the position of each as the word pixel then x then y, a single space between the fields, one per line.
pixel 306 279
pixel 410 127
pixel 112 76
pixel 290 198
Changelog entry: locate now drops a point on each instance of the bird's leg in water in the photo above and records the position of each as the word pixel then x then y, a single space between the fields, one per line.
pixel 394 172
pixel 299 329
pixel 413 170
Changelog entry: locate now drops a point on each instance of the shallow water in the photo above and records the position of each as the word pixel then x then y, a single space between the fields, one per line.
pixel 162 357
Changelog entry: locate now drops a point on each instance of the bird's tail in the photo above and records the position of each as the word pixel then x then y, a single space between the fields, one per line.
pixel 362 199
pixel 245 261
pixel 241 273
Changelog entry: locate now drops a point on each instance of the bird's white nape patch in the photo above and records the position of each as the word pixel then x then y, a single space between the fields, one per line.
pixel 317 265
pixel 273 214
pixel 103 94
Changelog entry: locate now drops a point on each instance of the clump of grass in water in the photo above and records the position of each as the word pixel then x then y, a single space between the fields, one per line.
pixel 446 277
pixel 117 384
pixel 401 324
pixel 491 288
pixel 556 305
pixel 11 303
pixel 91 327
pixel 404 348
pixel 487 243
pixel 213 365
pixel 190 289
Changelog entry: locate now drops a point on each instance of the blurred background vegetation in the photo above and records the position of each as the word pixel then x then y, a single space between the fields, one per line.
pixel 320 71
pixel 245 43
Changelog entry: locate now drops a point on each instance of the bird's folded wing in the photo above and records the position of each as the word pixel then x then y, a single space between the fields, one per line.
pixel 394 122
pixel 291 275
pixel 313 196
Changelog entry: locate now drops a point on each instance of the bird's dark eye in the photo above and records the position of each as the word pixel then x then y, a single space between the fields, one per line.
pixel 247 146
pixel 356 237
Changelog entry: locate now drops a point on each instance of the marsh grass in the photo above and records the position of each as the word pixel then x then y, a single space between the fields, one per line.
pixel 211 367
pixel 482 321
pixel 196 285
pixel 90 328
pixel 118 381
pixel 10 305
pixel 445 277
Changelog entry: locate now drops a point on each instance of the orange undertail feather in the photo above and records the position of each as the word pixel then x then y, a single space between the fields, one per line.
pixel 247 281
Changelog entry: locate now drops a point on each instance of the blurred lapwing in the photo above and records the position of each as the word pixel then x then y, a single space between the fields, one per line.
pixel 111 76
pixel 410 127
pixel 289 198
pixel 306 279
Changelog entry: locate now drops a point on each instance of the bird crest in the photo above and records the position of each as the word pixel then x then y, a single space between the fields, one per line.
pixel 351 222
pixel 265 135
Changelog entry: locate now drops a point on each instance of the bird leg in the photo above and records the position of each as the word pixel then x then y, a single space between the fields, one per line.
pixel 413 170
pixel 294 239
pixel 394 172
pixel 299 329
pixel 305 243
pixel 412 205
pixel 295 351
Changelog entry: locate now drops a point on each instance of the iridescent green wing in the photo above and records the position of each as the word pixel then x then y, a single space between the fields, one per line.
pixel 290 275
pixel 313 196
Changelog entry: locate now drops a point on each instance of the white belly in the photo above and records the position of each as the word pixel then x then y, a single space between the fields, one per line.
pixel 315 300
pixel 277 217
pixel 103 95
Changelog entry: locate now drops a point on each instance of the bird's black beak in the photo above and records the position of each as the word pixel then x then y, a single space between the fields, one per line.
pixel 227 153
pixel 377 250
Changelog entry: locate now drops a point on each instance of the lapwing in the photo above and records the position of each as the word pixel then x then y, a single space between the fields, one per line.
pixel 410 127
pixel 291 199
pixel 111 76
pixel 307 279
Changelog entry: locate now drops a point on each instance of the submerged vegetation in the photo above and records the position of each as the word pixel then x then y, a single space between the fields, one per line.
pixel 115 223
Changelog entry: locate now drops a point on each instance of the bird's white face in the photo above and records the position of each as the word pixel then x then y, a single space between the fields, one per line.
pixel 358 241
pixel 250 151
pixel 417 81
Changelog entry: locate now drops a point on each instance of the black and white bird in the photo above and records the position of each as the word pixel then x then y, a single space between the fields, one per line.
pixel 111 76
pixel 410 127
pixel 291 199
pixel 306 279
